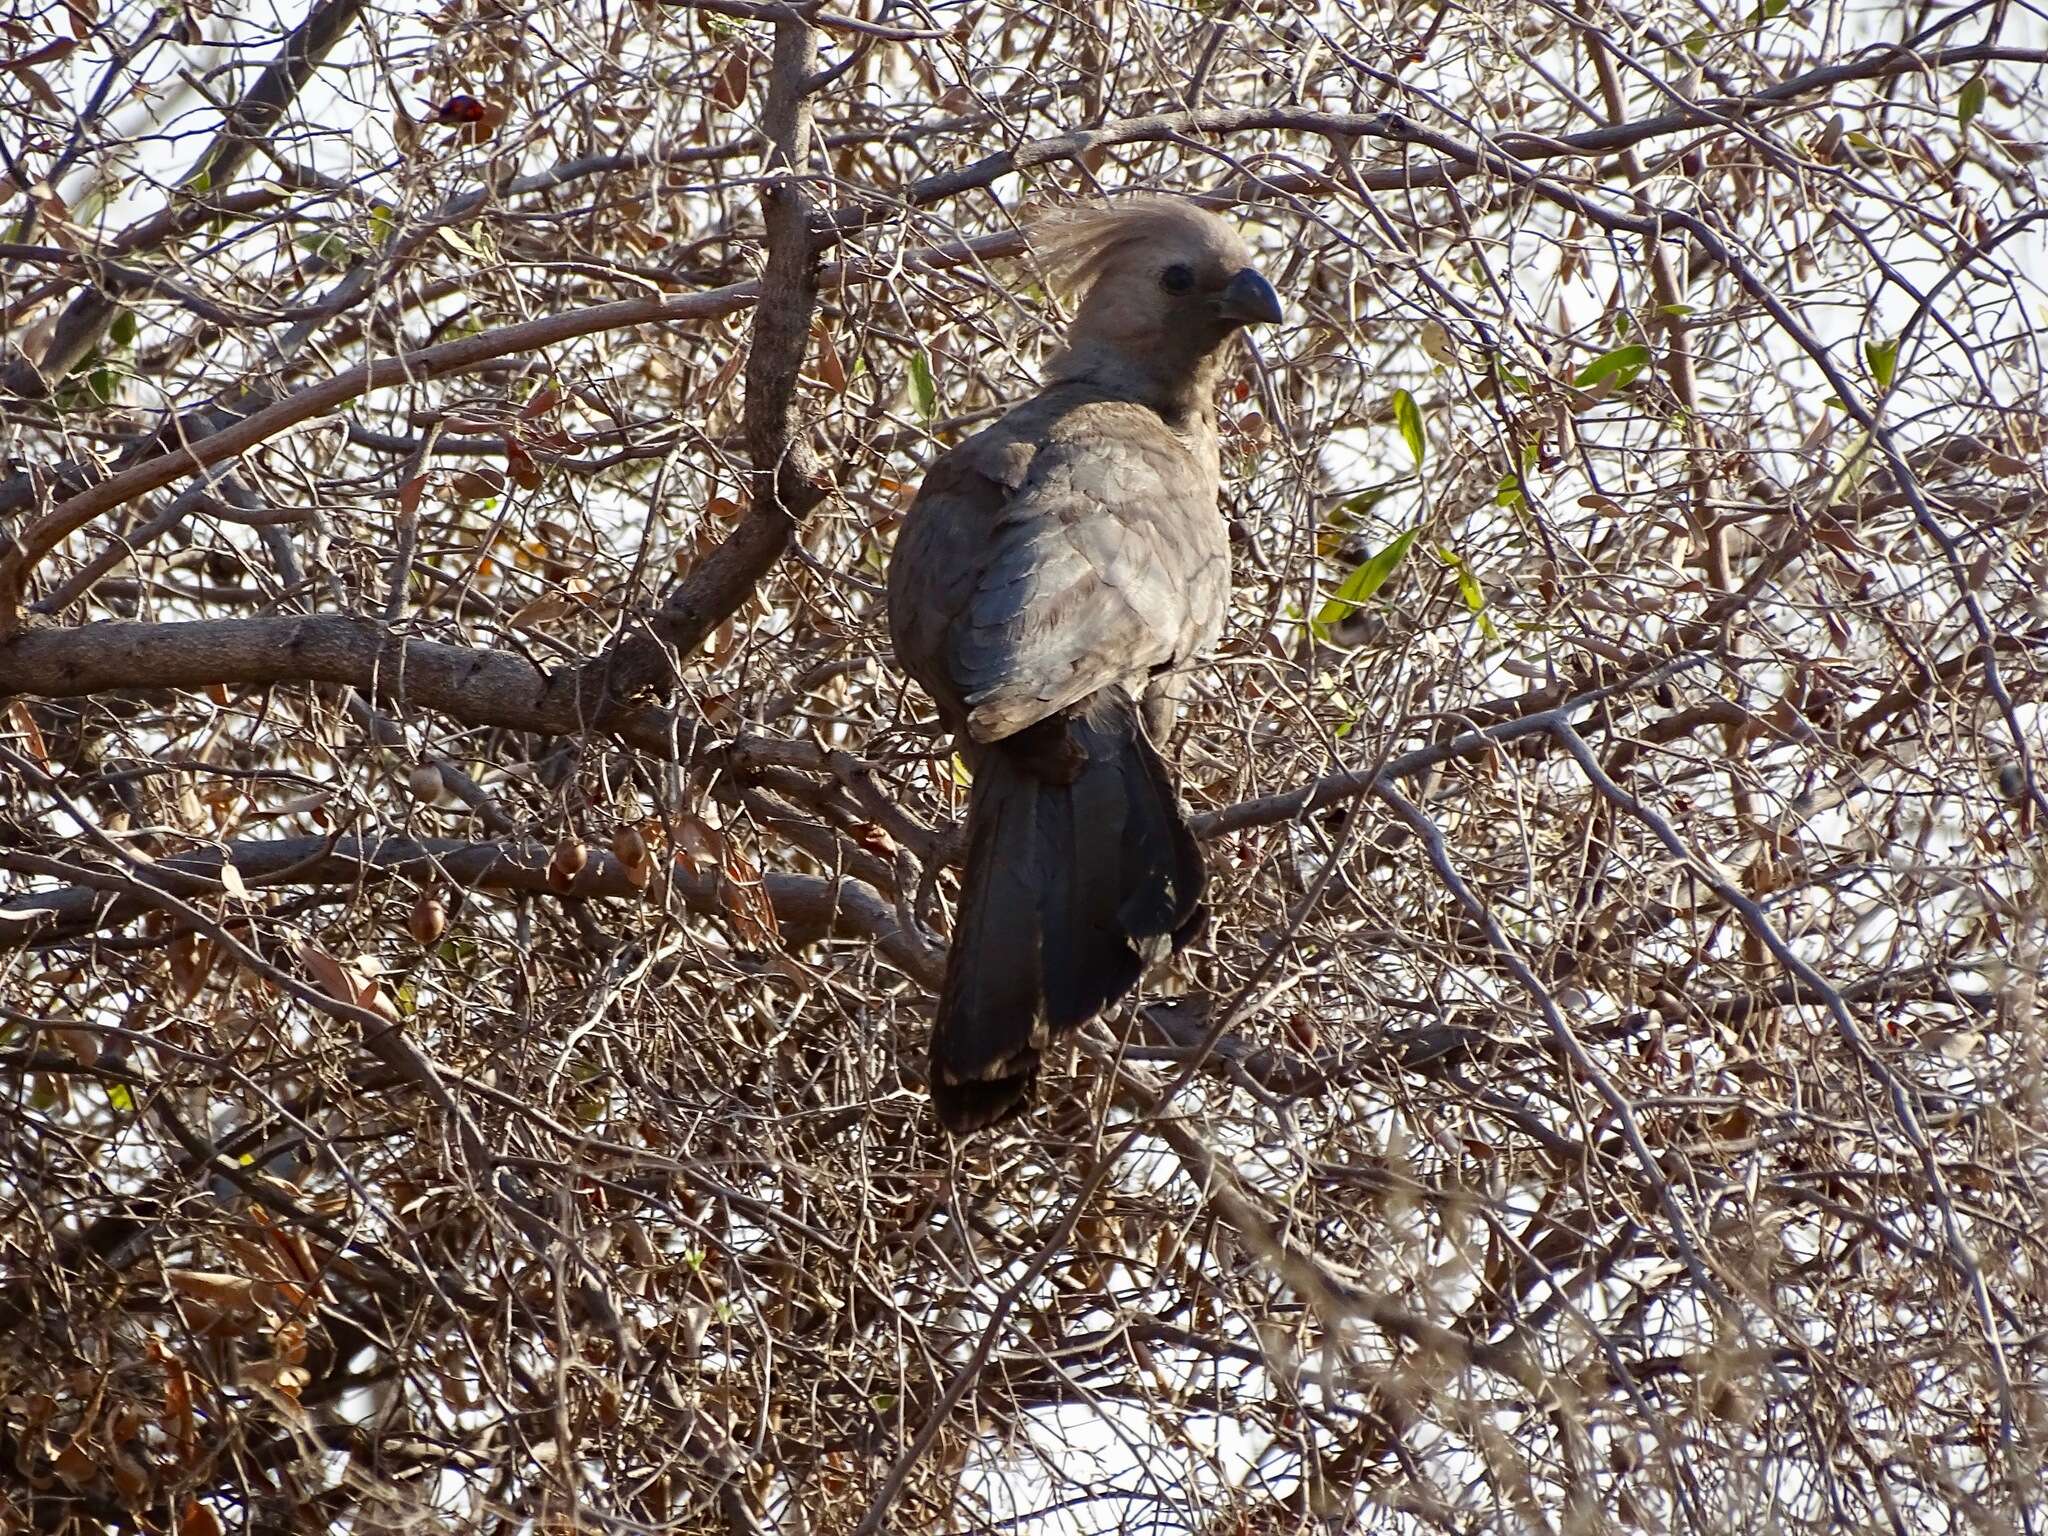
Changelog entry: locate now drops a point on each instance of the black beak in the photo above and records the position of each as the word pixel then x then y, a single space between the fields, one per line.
pixel 1248 299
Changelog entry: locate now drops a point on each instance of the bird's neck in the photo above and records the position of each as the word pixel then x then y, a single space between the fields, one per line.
pixel 1182 391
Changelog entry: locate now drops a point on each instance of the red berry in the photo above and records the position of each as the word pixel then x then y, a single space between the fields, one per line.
pixel 460 109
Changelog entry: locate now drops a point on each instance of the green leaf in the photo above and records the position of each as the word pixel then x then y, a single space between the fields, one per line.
pixel 1768 10
pixel 121 329
pixel 1507 491
pixel 1971 102
pixel 1408 417
pixel 922 389
pixel 327 247
pixel 1469 589
pixel 1883 358
pixel 1344 519
pixel 1468 584
pixel 1854 467
pixel 90 203
pixel 1618 367
pixel 101 383
pixel 1348 511
pixel 463 243
pixel 1358 588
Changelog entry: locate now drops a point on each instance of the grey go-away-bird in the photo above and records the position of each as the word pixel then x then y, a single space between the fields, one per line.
pixel 1052 582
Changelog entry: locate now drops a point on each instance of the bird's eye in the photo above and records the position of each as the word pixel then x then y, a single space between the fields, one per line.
pixel 1178 278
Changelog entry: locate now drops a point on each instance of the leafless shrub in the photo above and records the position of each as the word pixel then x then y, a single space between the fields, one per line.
pixel 473 880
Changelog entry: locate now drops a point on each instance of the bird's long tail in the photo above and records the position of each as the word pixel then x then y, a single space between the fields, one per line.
pixel 1080 873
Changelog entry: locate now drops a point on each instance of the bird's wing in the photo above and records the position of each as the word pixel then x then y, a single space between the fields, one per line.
pixel 1055 558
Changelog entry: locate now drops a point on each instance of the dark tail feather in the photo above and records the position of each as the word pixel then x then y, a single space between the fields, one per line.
pixel 1080 873
pixel 983 1062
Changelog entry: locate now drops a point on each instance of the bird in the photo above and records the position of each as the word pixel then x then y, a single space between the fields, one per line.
pixel 1051 584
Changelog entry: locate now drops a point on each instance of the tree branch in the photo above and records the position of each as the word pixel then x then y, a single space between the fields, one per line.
pixel 723 572
pixel 478 687
pixel 85 321
pixel 788 481
pixel 814 906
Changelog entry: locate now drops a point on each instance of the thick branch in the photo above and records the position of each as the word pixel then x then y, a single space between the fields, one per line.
pixel 810 906
pixel 788 481
pixel 478 687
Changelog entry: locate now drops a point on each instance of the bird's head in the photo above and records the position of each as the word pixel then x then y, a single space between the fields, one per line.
pixel 1164 285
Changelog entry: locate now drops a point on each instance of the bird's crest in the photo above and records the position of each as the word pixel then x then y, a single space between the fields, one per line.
pixel 1076 244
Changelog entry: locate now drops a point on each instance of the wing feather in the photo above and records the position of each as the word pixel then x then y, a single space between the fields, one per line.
pixel 1088 559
